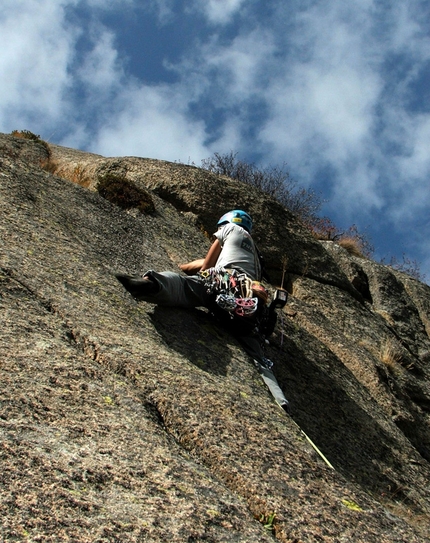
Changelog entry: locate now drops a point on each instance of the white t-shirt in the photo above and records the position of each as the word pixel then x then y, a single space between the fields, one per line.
pixel 238 251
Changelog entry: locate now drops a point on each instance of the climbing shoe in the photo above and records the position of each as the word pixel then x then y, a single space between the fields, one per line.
pixel 286 407
pixel 138 287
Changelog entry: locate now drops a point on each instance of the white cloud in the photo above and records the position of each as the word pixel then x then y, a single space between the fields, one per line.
pixel 418 164
pixel 163 8
pixel 36 52
pixel 49 85
pixel 405 20
pixel 106 4
pixel 413 171
pixel 330 99
pixel 328 114
pixel 237 67
pixel 152 122
pixel 101 70
pixel 219 11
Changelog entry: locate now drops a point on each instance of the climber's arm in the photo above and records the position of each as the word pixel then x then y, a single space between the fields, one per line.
pixel 191 268
pixel 212 256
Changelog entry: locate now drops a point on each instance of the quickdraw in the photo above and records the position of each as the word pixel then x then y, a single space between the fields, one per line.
pixel 233 291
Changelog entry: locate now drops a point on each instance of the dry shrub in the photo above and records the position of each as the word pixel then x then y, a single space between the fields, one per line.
pixel 411 267
pixel 124 193
pixel 352 245
pixel 274 181
pixel 391 356
pixel 77 175
pixel 27 135
pixel 421 522
pixel 324 229
pixel 50 166
pixel 80 177
pixel 355 242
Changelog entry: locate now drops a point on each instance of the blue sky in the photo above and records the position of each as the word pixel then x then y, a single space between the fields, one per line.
pixel 340 91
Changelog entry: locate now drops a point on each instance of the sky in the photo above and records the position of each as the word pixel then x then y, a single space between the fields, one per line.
pixel 339 91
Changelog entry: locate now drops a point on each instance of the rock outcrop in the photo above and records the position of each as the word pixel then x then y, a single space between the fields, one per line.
pixel 124 421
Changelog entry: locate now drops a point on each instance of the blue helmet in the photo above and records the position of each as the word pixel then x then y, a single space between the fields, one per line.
pixel 237 216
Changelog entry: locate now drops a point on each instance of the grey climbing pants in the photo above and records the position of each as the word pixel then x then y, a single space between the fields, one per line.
pixel 177 290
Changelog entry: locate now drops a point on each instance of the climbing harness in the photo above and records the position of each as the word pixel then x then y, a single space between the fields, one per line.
pixel 234 291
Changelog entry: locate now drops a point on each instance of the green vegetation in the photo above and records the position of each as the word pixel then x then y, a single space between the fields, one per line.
pixel 268 521
pixel 352 505
pixel 124 193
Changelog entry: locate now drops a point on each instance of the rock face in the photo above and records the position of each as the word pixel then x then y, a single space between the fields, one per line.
pixel 123 421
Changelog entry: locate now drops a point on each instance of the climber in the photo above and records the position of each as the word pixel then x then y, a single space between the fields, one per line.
pixel 232 248
pixel 227 282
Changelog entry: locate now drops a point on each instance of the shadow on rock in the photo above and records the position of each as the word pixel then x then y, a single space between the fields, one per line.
pixel 194 335
pixel 328 405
